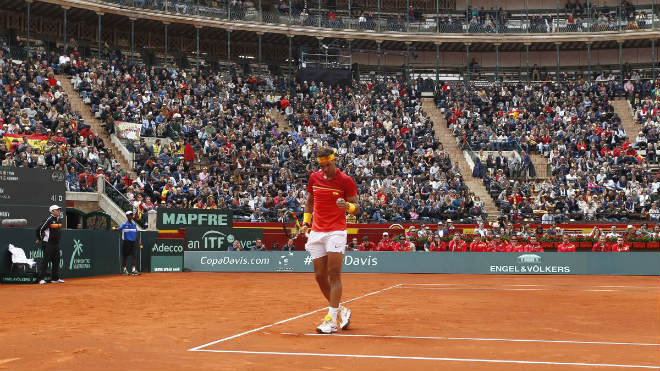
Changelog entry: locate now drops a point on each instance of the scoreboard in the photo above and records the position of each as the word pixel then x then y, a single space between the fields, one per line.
pixel 27 193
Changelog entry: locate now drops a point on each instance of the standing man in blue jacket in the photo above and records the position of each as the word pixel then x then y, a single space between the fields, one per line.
pixel 129 235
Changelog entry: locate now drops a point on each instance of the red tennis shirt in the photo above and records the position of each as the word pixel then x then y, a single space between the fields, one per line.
pixel 327 216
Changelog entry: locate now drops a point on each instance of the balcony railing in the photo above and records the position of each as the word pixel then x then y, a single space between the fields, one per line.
pixel 591 19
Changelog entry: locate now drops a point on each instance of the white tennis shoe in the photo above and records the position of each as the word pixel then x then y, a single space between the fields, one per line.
pixel 328 326
pixel 345 314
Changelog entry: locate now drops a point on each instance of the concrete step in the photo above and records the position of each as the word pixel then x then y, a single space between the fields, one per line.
pixel 540 163
pixel 624 110
pixel 448 140
pixel 281 120
pixel 81 108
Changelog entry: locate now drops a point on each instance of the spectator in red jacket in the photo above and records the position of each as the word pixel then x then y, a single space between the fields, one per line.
pixel 517 246
pixel 565 245
pixel 620 246
pixel 533 245
pixel 601 245
pixel 479 245
pixel 367 245
pixel 456 244
pixel 437 244
pixel 385 244
pixel 498 245
pixel 405 245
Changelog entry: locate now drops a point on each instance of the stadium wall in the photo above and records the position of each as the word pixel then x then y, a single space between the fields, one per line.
pixel 92 253
pixel 642 263
pixel 514 59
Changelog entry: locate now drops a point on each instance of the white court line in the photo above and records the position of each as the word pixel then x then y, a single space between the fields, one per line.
pixel 538 285
pixel 478 339
pixel 431 358
pixel 199 348
pixel 473 288
pixel 518 289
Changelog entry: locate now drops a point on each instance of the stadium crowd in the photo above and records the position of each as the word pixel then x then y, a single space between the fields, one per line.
pixel 595 171
pixel 214 141
pixel 226 149
pixel 38 129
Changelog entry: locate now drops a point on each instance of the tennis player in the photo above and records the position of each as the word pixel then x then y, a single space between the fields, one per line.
pixel 331 194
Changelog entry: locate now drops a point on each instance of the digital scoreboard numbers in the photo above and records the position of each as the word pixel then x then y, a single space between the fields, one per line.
pixel 27 193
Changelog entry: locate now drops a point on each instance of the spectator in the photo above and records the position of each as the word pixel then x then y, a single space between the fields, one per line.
pixel 566 245
pixel 620 246
pixel 601 245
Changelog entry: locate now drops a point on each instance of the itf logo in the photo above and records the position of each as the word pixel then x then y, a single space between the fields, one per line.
pixel 308 260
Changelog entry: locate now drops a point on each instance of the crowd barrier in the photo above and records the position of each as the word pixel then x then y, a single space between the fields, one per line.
pixel 637 263
pixel 92 253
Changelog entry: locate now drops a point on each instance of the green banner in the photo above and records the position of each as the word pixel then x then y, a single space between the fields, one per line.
pixel 83 252
pixel 636 263
pixel 167 255
pixel 221 239
pixel 194 218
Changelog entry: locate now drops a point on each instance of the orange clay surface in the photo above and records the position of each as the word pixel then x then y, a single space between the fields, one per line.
pixel 152 321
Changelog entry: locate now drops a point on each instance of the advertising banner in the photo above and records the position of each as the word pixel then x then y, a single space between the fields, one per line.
pixel 83 252
pixel 637 263
pixel 220 239
pixel 127 130
pixel 194 218
pixel 167 255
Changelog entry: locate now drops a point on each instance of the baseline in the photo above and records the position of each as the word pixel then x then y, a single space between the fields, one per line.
pixel 431 358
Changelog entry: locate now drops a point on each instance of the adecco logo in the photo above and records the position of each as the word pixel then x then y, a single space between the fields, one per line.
pixel 167 249
pixel 529 258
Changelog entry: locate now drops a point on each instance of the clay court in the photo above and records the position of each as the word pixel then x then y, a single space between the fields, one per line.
pixel 222 321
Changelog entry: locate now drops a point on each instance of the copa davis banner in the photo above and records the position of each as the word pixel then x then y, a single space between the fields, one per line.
pixel 636 263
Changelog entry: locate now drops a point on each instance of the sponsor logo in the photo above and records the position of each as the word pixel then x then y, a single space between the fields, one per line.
pixel 530 263
pixel 166 269
pixel 230 260
pixel 195 219
pixel 217 240
pixel 368 261
pixel 167 249
pixel 77 261
pixel 284 263
pixel 529 258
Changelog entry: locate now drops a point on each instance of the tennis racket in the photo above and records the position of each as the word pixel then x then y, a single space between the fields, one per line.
pixel 291 224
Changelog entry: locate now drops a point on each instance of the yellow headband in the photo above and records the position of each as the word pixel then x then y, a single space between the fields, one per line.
pixel 325 159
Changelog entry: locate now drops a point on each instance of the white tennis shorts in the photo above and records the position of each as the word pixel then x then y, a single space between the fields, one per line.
pixel 319 244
